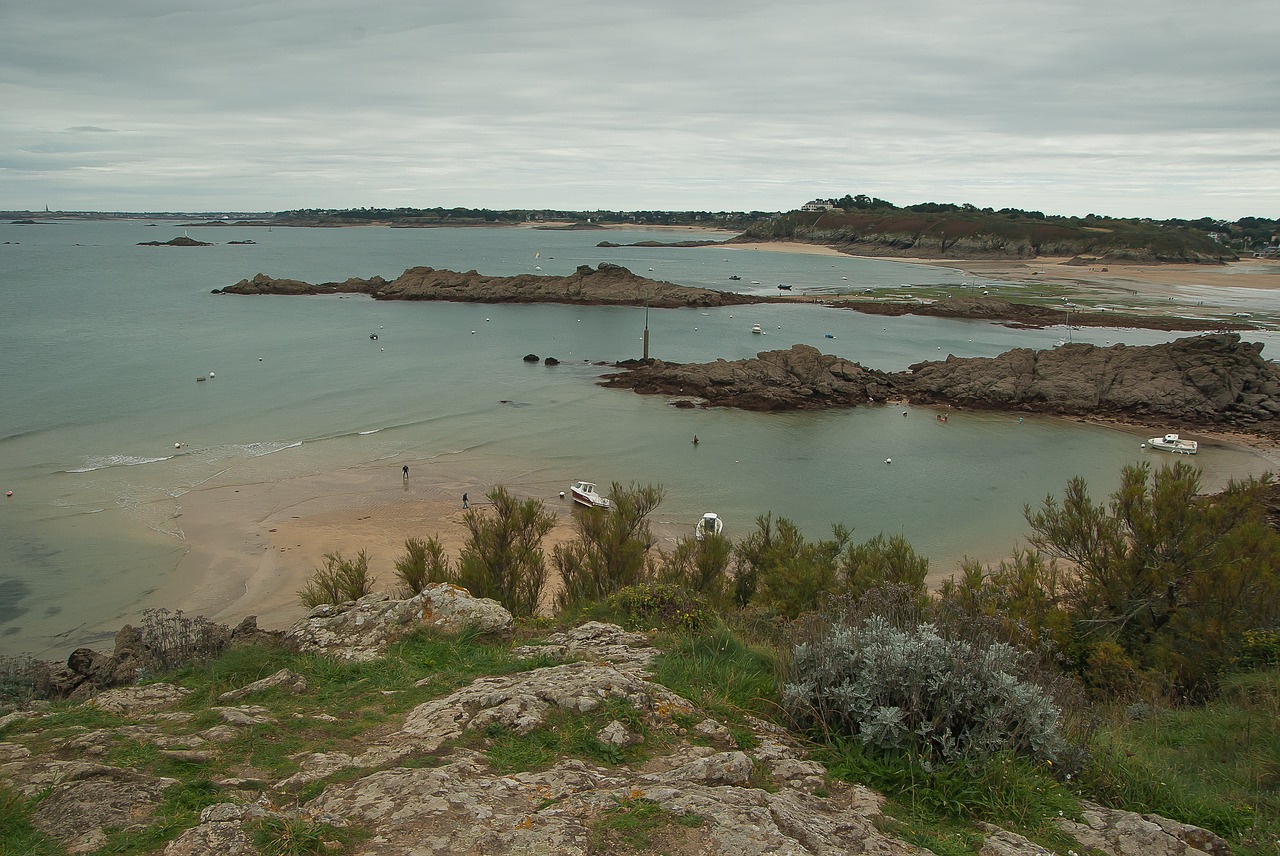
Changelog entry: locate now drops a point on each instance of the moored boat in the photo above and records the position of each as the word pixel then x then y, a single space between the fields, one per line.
pixel 1174 443
pixel 710 524
pixel 584 493
pixel 756 328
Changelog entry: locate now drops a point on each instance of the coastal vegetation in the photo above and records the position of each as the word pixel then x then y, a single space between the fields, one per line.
pixel 1129 656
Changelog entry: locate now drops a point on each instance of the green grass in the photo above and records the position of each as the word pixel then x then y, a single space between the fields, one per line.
pixel 1215 765
pixel 569 735
pixel 632 825
pixel 17 835
pixel 296 836
pixel 721 674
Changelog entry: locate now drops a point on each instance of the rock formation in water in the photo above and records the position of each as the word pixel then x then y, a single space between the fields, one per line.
pixel 180 241
pixel 801 378
pixel 606 284
pixel 1029 315
pixel 1205 380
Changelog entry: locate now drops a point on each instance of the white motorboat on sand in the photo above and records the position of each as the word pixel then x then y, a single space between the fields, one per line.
pixel 1174 443
pixel 710 524
pixel 584 493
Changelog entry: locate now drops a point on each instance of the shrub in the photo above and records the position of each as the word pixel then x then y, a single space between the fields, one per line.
pixel 912 690
pixel 173 639
pixel 423 563
pixel 658 605
pixel 503 558
pixel 701 567
pixel 881 561
pixel 339 581
pixel 612 547
pixel 778 568
pixel 23 679
pixel 1173 577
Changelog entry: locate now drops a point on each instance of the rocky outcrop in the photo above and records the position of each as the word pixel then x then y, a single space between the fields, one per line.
pixel 1025 315
pixel 1206 380
pixel 180 241
pixel 801 378
pixel 1213 380
pixel 421 782
pixel 1121 833
pixel 607 285
pixel 360 630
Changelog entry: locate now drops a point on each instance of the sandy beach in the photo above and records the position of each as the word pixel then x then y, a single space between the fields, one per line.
pixel 252 546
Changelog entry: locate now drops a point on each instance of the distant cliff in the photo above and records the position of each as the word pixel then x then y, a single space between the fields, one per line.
pixel 975 234
pixel 606 284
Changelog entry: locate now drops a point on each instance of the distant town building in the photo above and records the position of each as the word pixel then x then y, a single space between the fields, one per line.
pixel 818 205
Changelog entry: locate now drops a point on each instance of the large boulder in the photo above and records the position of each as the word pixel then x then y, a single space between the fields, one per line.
pixel 361 630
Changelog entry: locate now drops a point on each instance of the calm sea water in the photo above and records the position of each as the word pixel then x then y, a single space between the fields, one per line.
pixel 103 341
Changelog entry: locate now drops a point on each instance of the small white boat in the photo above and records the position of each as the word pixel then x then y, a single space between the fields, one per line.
pixel 1174 443
pixel 710 524
pixel 756 328
pixel 584 493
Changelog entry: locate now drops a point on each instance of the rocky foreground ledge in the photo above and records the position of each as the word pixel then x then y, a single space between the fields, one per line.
pixel 419 781
pixel 605 285
pixel 1215 380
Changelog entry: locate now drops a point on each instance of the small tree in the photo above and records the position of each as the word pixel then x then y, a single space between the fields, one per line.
pixel 1171 577
pixel 882 561
pixel 423 563
pixel 612 547
pixel 701 567
pixel 779 568
pixel 339 581
pixel 503 558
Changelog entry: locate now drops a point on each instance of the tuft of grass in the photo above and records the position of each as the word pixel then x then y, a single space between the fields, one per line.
pixel 633 824
pixel 298 836
pixel 570 735
pixel 936 800
pixel 179 811
pixel 720 673
pixel 17 835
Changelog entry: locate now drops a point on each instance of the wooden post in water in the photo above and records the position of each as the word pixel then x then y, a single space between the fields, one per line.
pixel 646 325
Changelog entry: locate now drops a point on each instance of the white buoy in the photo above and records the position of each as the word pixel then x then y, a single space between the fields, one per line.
pixel 888 460
pixel 562 494
pixel 177 445
pixel 212 375
pixel 382 349
pixel 259 359
pixel 473 332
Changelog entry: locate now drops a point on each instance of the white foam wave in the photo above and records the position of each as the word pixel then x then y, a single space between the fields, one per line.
pixel 374 431
pixel 106 461
pixel 257 450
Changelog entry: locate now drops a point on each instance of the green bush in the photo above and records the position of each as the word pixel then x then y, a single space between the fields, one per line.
pixel 339 581
pixel 612 547
pixel 503 558
pixel 658 605
pixel 424 562
pixel 912 690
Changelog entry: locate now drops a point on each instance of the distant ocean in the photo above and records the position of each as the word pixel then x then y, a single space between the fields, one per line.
pixel 104 340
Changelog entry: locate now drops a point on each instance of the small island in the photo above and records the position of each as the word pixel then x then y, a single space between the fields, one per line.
pixel 181 241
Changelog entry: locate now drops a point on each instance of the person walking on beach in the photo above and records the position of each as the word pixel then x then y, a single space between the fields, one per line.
pixel 406 472
pixel 464 501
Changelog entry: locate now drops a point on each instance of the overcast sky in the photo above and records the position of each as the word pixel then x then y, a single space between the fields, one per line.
pixel 1163 108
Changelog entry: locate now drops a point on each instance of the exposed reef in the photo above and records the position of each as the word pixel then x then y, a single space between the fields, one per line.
pixel 1028 315
pixel 606 285
pixel 180 241
pixel 1213 380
